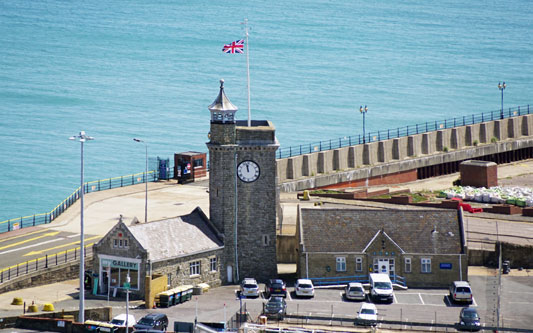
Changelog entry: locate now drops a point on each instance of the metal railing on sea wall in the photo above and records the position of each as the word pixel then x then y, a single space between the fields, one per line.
pixel 92 186
pixel 48 261
pixel 346 141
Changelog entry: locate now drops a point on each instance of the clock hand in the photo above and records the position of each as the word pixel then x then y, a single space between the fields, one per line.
pixel 247 168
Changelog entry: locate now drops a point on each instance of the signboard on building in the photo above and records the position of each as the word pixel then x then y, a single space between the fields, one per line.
pixel 124 264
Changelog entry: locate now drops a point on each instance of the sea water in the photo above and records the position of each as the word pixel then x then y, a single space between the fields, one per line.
pixel 149 69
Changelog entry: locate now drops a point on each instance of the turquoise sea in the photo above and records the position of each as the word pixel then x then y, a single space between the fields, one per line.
pixel 149 69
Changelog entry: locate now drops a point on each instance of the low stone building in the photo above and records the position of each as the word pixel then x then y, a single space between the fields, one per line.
pixel 423 247
pixel 186 249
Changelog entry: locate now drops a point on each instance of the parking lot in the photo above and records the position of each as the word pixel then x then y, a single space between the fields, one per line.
pixel 419 305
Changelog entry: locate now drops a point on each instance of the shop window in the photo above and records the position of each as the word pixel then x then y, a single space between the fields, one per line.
pixel 198 163
pixel 341 264
pixel 213 264
pixel 194 268
pixel 426 265
pixel 407 265
pixel 359 264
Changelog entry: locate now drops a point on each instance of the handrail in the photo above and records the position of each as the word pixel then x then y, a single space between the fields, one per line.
pixel 346 141
pixel 45 262
pixel 91 186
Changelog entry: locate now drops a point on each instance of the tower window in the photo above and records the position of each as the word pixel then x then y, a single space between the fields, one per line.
pixel 266 240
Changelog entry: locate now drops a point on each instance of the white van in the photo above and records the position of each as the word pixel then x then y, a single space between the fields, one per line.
pixel 381 287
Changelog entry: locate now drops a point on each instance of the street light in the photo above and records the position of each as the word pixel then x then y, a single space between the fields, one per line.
pixel 502 88
pixel 81 316
pixel 145 180
pixel 363 111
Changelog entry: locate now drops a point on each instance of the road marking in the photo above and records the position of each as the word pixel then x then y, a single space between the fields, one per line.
pixel 58 247
pixel 394 299
pixel 30 246
pixel 421 300
pixel 29 240
pixel 72 236
pixel 520 303
pixel 22 235
pixel 448 300
pixel 518 292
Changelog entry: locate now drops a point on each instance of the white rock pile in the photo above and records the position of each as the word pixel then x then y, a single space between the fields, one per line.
pixel 513 195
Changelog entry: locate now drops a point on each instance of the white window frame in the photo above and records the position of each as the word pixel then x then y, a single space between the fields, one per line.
pixel 194 268
pixel 408 266
pixel 213 264
pixel 358 264
pixel 425 265
pixel 120 243
pixel 340 264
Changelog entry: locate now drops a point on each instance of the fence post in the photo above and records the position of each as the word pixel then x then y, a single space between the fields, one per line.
pixel 46 261
pixel 56 259
pixel 36 264
pixel 121 180
pixel 388 134
pixel 329 144
pixel 27 263
pixel 75 254
pixel 66 256
pixel 290 151
pixel 300 149
pixel 110 183
pixel 483 118
pixel 17 269
pixel 34 220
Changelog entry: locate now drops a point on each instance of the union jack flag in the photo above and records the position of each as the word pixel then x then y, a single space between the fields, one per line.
pixel 234 47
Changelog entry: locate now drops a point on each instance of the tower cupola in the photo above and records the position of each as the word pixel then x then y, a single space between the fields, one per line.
pixel 222 110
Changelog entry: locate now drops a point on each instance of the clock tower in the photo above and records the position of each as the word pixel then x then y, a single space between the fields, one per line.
pixel 242 191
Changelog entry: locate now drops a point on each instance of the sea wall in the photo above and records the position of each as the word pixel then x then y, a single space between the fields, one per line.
pixel 373 159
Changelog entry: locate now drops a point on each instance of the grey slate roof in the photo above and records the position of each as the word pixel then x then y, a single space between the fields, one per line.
pixel 350 229
pixel 176 236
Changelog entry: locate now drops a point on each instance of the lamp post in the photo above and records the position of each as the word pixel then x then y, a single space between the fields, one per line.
pixel 81 316
pixel 502 88
pixel 363 111
pixel 145 180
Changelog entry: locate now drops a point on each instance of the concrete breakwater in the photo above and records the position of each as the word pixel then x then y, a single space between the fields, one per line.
pixel 397 160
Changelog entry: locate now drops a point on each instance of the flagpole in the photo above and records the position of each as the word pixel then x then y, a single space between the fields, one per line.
pixel 247 70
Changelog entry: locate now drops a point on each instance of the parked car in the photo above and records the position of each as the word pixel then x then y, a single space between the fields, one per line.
pixel 275 287
pixel 152 321
pixel 249 288
pixel 469 320
pixel 120 320
pixel 381 287
pixel 460 291
pixel 355 291
pixel 367 315
pixel 276 307
pixel 304 288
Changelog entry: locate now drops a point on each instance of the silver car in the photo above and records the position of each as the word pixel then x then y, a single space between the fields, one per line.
pixel 355 291
pixel 249 288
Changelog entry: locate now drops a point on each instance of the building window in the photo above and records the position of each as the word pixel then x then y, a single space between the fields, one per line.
pixel 341 264
pixel 426 265
pixel 169 279
pixel 197 163
pixel 391 268
pixel 359 264
pixel 376 265
pixel 407 265
pixel 120 243
pixel 266 240
pixel 125 243
pixel 213 264
pixel 115 242
pixel 194 268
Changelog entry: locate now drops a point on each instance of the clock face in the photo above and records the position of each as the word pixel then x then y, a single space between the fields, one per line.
pixel 248 171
